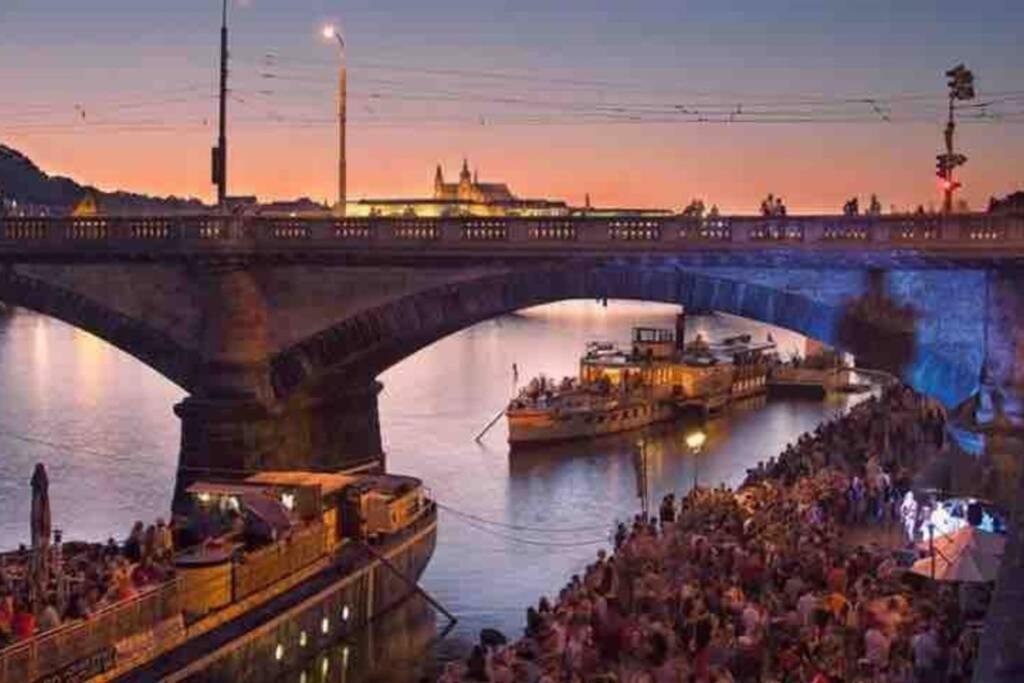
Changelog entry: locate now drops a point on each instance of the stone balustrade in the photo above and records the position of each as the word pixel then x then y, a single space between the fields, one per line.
pixel 156 236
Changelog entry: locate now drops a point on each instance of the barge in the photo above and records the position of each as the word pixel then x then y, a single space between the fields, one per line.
pixel 819 374
pixel 654 380
pixel 301 558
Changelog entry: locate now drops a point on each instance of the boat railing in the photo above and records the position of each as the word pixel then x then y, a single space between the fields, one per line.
pixel 266 566
pixel 89 644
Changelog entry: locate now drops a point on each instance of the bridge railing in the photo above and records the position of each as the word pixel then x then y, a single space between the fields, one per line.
pixel 216 233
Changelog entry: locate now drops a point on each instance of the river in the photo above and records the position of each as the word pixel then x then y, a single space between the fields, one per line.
pixel 516 525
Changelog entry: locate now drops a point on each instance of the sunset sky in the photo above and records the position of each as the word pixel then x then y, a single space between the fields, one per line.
pixel 641 103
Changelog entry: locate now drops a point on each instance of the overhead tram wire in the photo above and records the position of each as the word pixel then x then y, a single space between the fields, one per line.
pixel 752 99
pixel 533 542
pixel 291 62
pixel 518 527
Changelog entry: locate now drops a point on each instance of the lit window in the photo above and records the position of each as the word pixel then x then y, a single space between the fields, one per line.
pixel 302 639
pixel 288 500
pixel 325 625
pixel 279 652
pixel 344 613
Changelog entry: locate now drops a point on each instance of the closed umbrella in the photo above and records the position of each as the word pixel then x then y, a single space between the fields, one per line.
pixel 40 527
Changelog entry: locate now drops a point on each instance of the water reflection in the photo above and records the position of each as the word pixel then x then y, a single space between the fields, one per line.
pixel 394 648
pixel 104 425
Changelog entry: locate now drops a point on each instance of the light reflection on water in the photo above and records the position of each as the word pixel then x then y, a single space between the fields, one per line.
pixel 64 387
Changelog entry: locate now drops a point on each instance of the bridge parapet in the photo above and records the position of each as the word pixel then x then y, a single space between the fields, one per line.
pixel 216 234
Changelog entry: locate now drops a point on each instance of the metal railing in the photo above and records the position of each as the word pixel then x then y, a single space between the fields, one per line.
pixel 214 233
pixel 265 567
pixel 50 652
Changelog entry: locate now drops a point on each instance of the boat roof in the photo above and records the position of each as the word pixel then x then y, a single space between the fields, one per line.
pixel 221 488
pixel 329 482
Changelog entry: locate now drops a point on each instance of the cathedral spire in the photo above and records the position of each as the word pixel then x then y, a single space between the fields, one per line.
pixel 464 175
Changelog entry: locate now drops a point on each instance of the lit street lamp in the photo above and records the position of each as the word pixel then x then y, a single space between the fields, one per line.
pixel 330 32
pixel 695 442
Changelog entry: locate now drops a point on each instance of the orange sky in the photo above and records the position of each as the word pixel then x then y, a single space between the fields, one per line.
pixel 556 103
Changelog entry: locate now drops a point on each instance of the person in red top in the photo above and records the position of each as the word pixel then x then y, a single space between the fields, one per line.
pixel 837 579
pixel 24 622
pixel 6 612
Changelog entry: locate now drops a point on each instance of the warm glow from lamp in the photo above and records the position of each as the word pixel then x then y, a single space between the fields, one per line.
pixel 329 31
pixel 695 440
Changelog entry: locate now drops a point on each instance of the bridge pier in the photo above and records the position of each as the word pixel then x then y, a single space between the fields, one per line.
pixel 332 428
pixel 234 424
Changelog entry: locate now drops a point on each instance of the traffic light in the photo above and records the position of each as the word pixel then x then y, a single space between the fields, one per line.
pixel 961 82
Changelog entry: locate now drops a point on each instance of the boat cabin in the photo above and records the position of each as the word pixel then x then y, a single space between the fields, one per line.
pixel 244 535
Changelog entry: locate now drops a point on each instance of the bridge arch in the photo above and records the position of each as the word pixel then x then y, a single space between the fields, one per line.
pixel 362 346
pixel 129 334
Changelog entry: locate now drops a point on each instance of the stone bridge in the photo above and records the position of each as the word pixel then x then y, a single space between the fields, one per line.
pixel 278 327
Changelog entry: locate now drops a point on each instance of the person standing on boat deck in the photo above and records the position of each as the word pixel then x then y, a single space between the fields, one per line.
pixel 133 545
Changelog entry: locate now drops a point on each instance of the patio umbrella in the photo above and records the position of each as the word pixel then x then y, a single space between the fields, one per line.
pixel 40 508
pixel 40 527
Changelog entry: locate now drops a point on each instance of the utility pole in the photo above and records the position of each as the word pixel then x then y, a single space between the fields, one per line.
pixel 220 152
pixel 961 87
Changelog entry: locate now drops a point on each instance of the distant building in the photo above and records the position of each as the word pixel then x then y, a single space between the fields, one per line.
pixel 470 197
pixel 470 189
pixel 467 197
pixel 87 206
pixel 1012 203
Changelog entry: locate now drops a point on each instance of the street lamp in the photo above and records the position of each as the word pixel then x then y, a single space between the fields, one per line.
pixel 695 441
pixel 330 31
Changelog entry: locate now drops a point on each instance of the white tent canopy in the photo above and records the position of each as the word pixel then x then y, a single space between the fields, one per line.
pixel 967 555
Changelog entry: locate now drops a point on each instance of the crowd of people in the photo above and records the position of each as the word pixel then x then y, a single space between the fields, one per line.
pixel 763 583
pixel 80 580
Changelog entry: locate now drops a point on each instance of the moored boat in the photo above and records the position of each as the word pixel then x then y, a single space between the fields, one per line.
pixel 308 556
pixel 653 380
pixel 819 374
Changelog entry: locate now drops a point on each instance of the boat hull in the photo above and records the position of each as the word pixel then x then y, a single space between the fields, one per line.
pixel 537 427
pixel 313 615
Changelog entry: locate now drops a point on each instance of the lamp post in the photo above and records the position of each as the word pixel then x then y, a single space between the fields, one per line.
pixel 695 442
pixel 331 32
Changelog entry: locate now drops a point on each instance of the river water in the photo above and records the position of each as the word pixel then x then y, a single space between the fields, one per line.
pixel 515 525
